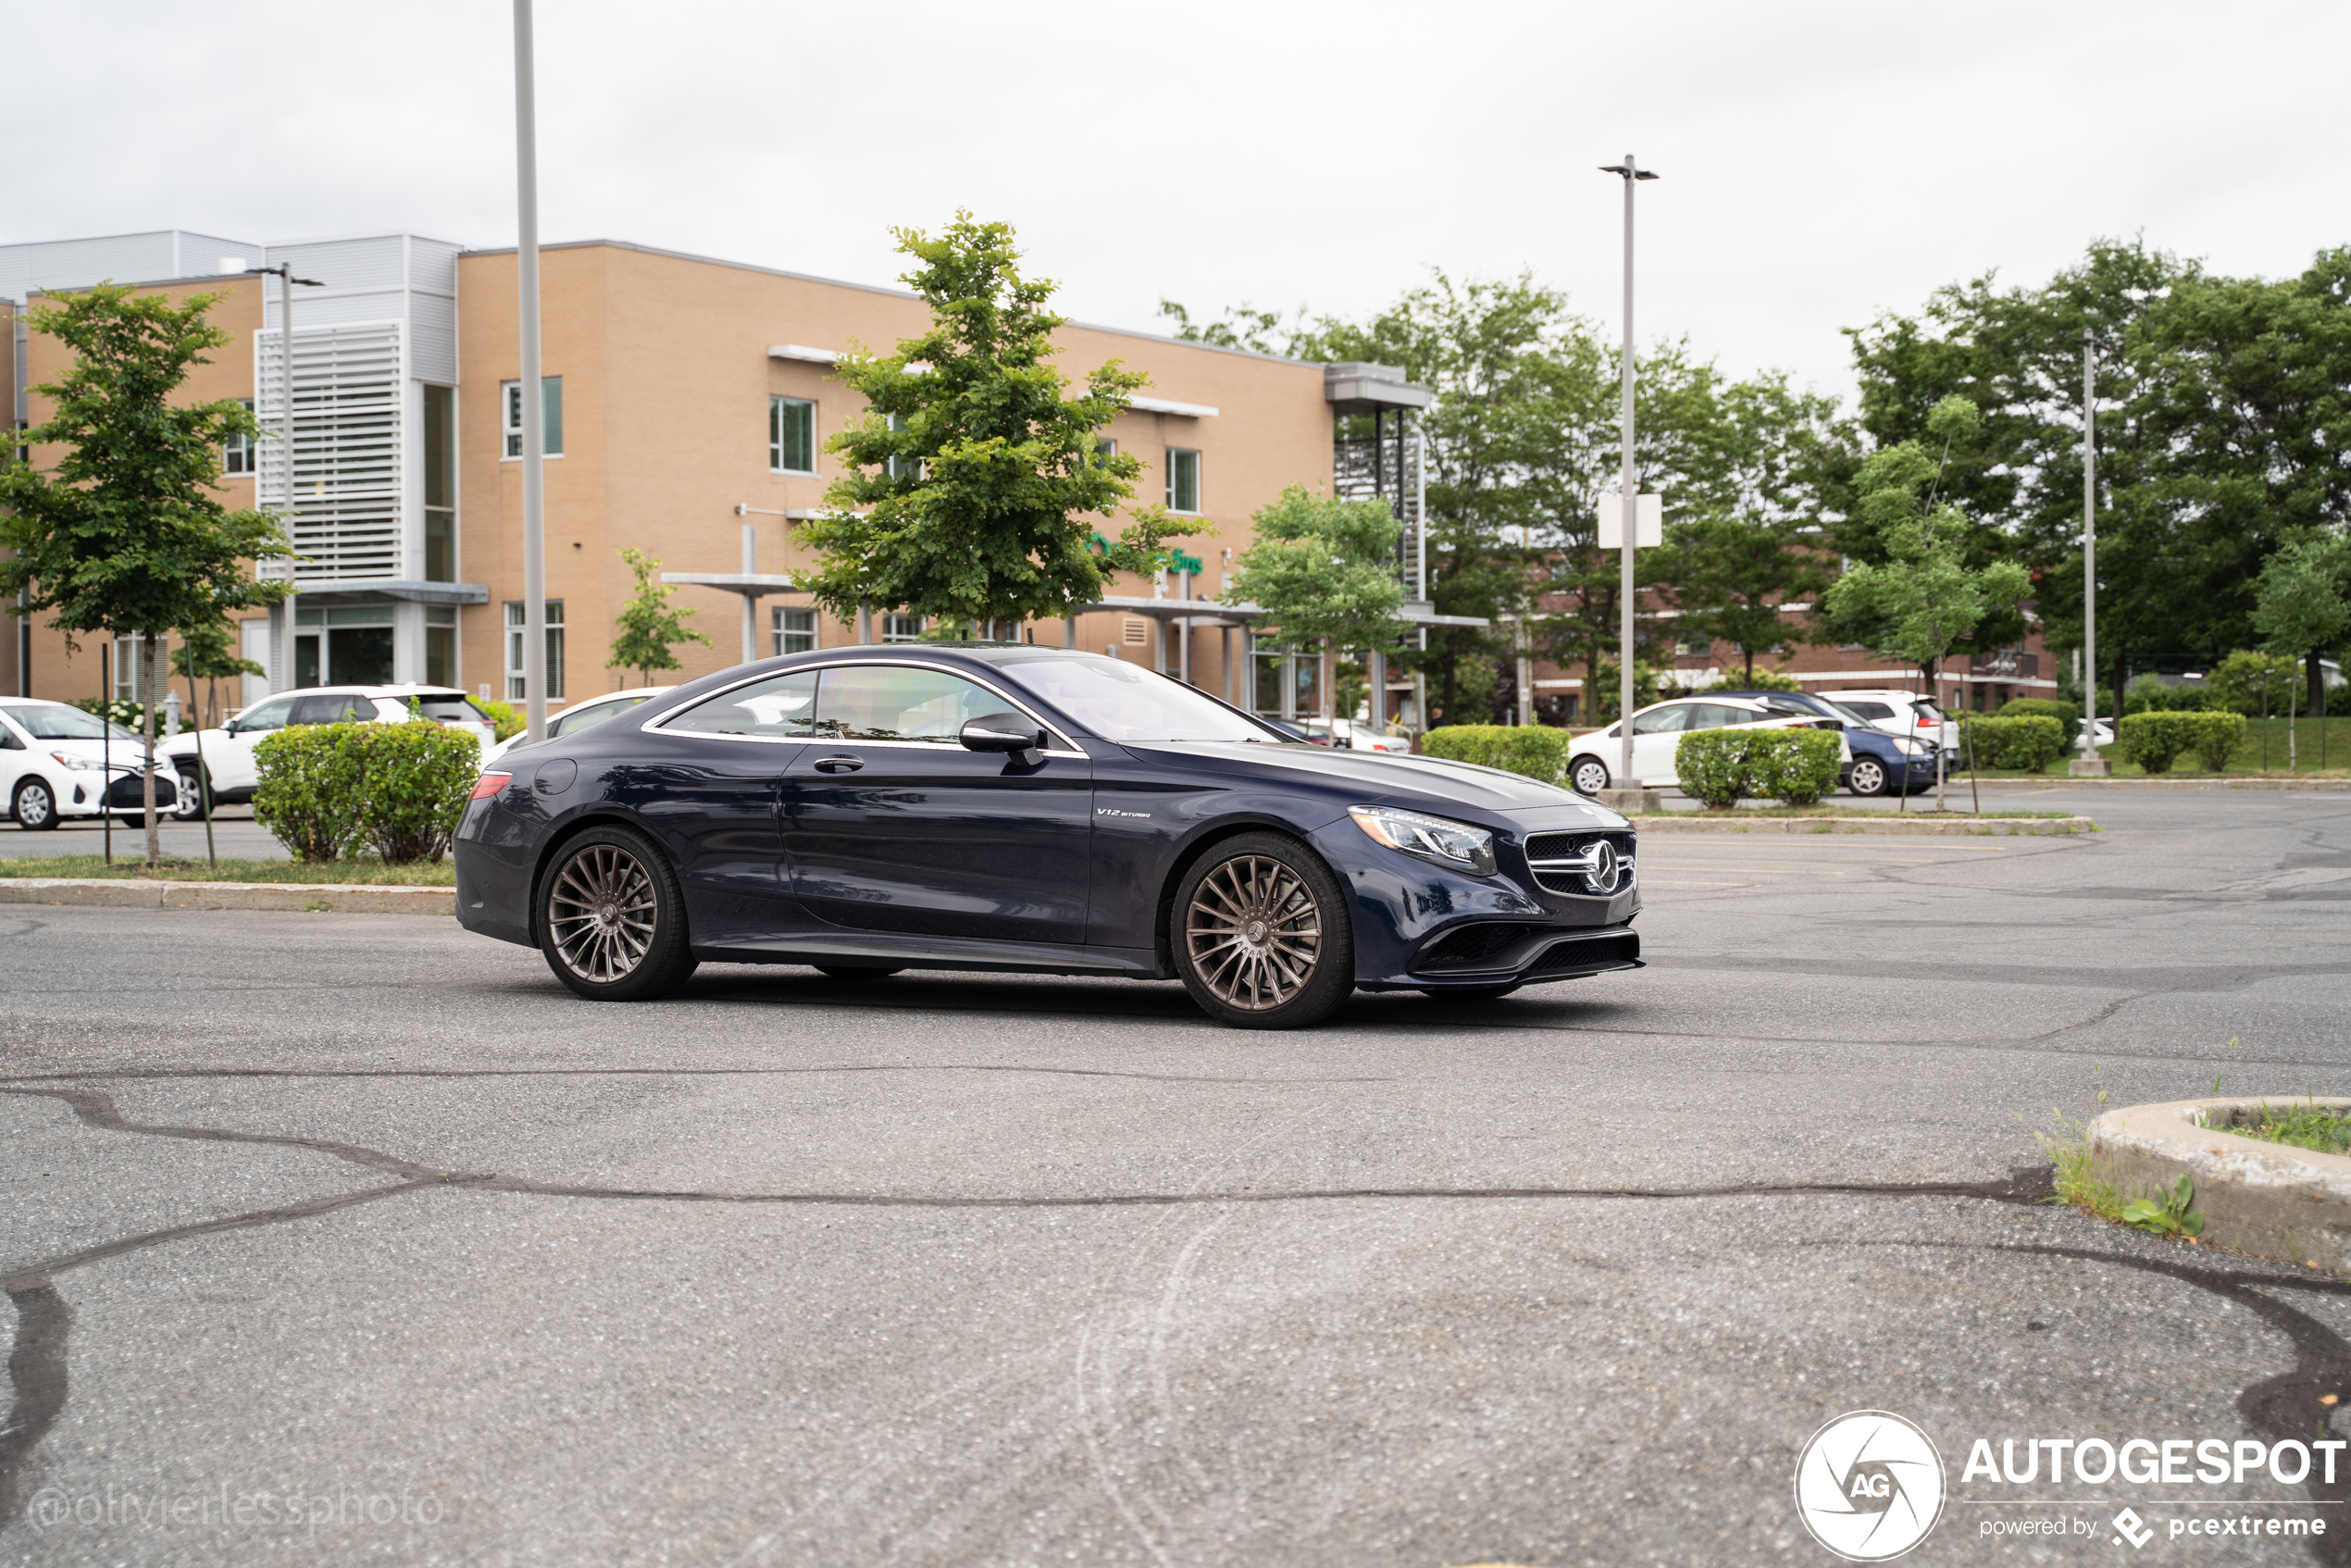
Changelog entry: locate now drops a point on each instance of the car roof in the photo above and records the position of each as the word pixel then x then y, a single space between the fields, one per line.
pixel 1702 697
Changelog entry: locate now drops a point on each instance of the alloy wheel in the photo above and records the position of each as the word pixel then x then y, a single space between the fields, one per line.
pixel 1591 778
pixel 600 913
pixel 1869 779
pixel 34 808
pixel 1253 933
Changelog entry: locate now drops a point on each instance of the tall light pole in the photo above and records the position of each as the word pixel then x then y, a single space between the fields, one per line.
pixel 534 413
pixel 2089 764
pixel 1633 174
pixel 281 656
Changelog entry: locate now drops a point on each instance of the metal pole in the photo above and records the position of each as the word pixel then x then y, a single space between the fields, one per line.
pixel 282 677
pixel 1628 510
pixel 534 413
pixel 751 600
pixel 2090 544
pixel 106 741
pixel 1184 633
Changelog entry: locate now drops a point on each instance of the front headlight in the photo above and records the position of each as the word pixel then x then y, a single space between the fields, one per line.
pixel 78 764
pixel 1911 748
pixel 1454 844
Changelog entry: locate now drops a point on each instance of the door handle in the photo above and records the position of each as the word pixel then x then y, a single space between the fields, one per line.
pixel 839 764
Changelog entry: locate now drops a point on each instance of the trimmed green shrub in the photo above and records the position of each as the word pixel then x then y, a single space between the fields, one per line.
pixel 2030 742
pixel 507 721
pixel 1721 767
pixel 2151 694
pixel 309 787
pixel 2157 738
pixel 327 791
pixel 2219 736
pixel 1536 750
pixel 2066 713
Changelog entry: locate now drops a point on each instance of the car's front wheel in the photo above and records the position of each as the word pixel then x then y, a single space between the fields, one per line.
pixel 612 918
pixel 34 807
pixel 1869 776
pixel 1262 936
pixel 1588 775
pixel 189 807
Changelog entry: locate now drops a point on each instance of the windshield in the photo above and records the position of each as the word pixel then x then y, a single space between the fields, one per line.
pixel 46 723
pixel 1119 702
pixel 1844 712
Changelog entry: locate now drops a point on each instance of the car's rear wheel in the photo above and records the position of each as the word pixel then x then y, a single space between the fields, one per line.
pixel 612 920
pixel 34 807
pixel 1588 775
pixel 189 807
pixel 1262 936
pixel 1869 776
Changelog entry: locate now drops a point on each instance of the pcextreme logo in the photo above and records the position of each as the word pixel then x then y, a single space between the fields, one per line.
pixel 1869 1485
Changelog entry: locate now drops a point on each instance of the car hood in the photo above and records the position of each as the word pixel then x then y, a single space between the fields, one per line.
pixel 1382 778
pixel 120 751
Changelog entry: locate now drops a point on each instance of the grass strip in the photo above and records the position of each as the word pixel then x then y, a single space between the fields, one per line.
pixel 2321 1132
pixel 364 873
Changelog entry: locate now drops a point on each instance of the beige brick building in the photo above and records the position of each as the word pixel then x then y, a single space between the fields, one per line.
pixel 687 398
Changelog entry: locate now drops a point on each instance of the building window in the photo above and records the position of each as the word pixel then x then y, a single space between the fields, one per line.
pixel 514 692
pixel 441 644
pixel 1183 479
pixel 902 468
pixel 441 484
pixel 795 630
pixel 237 456
pixel 552 399
pixel 902 628
pixel 1105 448
pixel 791 435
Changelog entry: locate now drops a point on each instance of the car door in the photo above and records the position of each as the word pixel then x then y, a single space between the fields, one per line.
pixel 1656 731
pixel 17 755
pixel 709 782
pixel 891 825
pixel 232 758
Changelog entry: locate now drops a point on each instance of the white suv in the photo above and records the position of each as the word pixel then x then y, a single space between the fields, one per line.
pixel 227 753
pixel 1903 712
pixel 1657 735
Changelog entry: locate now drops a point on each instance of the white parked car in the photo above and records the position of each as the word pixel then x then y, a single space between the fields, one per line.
pixel 57 761
pixel 1353 735
pixel 1657 734
pixel 1904 712
pixel 586 714
pixel 227 753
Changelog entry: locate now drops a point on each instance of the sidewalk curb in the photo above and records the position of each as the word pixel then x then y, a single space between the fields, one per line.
pixel 339 898
pixel 2271 1199
pixel 2325 785
pixel 1892 827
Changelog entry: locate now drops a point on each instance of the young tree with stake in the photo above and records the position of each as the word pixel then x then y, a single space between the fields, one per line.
pixel 127 535
pixel 650 626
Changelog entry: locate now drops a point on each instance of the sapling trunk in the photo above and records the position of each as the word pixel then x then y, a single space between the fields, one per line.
pixel 148 650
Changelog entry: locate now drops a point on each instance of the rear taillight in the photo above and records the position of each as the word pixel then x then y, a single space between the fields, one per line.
pixel 490 784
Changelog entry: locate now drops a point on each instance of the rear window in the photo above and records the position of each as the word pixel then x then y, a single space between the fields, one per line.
pixel 451 707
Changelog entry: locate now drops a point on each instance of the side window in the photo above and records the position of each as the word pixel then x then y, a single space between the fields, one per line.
pixel 270 715
pixel 1717 716
pixel 335 708
pixel 1661 721
pixel 774 709
pixel 896 702
pixel 589 717
pixel 1871 710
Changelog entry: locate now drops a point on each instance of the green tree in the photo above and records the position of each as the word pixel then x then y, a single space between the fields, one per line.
pixel 1324 572
pixel 2251 683
pixel 207 651
pixel 1924 598
pixel 2302 610
pixel 650 626
pixel 971 476
pixel 127 534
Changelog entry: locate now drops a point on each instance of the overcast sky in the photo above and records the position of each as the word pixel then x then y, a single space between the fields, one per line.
pixel 1821 162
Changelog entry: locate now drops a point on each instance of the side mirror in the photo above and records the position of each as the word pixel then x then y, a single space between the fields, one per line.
pixel 1005 732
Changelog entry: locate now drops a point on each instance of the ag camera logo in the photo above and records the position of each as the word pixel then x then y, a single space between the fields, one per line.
pixel 1869 1485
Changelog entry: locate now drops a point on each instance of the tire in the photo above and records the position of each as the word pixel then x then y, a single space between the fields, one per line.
pixel 1262 934
pixel 612 920
pixel 190 806
pixel 1869 776
pixel 851 972
pixel 1587 775
pixel 1470 993
pixel 34 805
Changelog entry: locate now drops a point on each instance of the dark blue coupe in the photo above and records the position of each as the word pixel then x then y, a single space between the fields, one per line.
pixel 940 806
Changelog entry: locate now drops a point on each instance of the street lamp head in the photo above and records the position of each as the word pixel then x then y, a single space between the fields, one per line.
pixel 1627 169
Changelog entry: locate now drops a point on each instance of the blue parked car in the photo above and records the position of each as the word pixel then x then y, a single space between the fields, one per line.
pixel 1880 762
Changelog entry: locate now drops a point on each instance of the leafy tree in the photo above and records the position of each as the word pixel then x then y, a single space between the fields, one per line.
pixel 207 651
pixel 2251 683
pixel 2302 610
pixel 650 626
pixel 127 534
pixel 974 474
pixel 1245 327
pixel 1924 598
pixel 1324 571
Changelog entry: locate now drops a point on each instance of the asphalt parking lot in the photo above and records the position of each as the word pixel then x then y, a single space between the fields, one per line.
pixel 369 1222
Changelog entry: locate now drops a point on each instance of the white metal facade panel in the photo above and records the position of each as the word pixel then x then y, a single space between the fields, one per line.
pixel 347 491
pixel 125 258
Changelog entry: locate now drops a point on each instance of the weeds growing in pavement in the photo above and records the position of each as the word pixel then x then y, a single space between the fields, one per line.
pixel 2304 1126
pixel 2168 1216
pixel 2073 1179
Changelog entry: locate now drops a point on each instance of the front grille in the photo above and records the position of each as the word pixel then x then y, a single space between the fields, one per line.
pixel 1542 848
pixel 1590 952
pixel 1469 947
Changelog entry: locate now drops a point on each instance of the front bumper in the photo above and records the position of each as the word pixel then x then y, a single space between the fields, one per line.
pixel 1505 952
pixel 78 792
